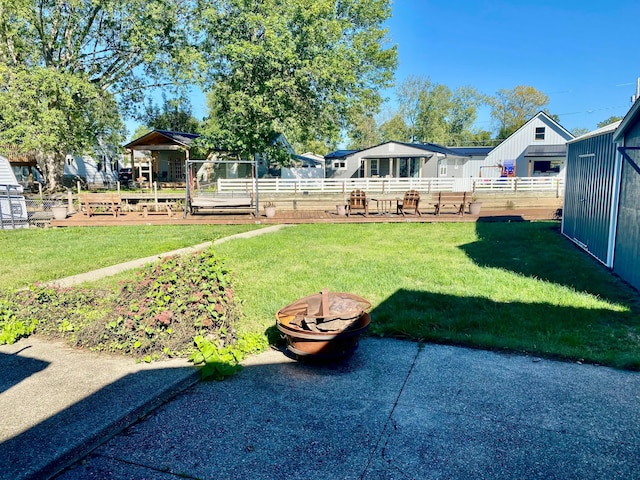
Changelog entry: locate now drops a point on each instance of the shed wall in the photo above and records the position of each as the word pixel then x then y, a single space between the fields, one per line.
pixel 589 194
pixel 627 252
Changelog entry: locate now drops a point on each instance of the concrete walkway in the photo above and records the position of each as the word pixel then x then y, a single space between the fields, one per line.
pixel 121 267
pixel 393 410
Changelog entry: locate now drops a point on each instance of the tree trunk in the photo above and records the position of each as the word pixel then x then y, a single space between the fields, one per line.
pixel 52 165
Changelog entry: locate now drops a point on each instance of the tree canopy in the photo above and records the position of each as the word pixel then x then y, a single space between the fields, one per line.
pixel 609 121
pixel 299 67
pixel 511 109
pixel 431 112
pixel 80 56
pixel 175 114
pixel 55 113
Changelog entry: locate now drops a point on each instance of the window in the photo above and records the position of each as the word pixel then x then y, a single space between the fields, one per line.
pixel 540 133
pixel 176 167
pixel 339 164
pixel 374 167
pixel 442 170
pixel 544 167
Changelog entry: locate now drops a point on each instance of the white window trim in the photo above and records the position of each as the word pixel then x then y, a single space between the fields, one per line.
pixel 339 164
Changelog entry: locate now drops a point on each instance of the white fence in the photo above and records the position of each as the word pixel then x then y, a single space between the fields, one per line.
pixel 393 185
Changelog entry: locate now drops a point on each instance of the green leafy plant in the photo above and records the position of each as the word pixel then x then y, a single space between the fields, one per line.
pixel 12 329
pixel 158 313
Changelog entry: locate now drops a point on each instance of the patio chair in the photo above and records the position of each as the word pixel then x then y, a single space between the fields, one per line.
pixel 358 201
pixel 411 201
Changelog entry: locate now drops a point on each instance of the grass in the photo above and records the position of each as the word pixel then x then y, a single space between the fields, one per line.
pixel 38 255
pixel 515 286
pixel 505 286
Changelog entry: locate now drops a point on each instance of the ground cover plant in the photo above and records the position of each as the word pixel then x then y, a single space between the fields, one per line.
pixel 516 286
pixel 38 255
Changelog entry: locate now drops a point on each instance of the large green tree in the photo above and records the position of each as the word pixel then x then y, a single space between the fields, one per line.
pixel 119 47
pixel 54 113
pixel 433 113
pixel 304 68
pixel 511 109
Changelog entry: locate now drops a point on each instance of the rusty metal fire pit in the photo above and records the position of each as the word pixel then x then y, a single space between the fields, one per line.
pixel 324 325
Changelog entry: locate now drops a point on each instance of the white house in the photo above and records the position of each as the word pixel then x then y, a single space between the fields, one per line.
pixel 538 148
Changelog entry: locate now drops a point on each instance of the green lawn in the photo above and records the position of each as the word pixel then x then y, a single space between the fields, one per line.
pixel 516 286
pixel 37 255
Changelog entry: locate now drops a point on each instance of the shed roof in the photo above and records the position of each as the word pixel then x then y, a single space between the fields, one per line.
pixel 627 121
pixel 600 131
pixel 559 150
pixel 163 137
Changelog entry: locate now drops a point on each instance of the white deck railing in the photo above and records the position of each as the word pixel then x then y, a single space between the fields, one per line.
pixel 393 185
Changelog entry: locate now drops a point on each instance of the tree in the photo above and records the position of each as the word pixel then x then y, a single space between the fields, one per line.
pixel 409 93
pixel 576 132
pixel 116 47
pixel 395 129
pixel 609 121
pixel 511 109
pixel 301 68
pixel 363 132
pixel 462 115
pixel 433 113
pixel 56 113
pixel 174 115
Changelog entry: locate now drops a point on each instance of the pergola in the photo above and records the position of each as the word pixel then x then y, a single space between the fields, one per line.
pixel 160 140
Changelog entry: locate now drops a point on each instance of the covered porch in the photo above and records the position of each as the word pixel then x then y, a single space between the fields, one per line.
pixel 169 152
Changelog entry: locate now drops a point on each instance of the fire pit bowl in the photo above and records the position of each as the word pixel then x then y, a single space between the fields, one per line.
pixel 324 325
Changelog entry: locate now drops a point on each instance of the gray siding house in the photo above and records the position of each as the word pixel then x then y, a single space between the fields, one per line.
pixel 538 148
pixel 397 160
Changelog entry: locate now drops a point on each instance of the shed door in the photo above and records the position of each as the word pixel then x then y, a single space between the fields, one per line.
pixel 576 224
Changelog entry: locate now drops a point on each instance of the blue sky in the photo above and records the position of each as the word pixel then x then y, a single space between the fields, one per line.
pixel 585 55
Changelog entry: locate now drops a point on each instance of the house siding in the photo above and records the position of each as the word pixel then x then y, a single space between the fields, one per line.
pixel 513 148
pixel 590 191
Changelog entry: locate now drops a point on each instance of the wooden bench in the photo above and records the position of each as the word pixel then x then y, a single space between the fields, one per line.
pixel 93 203
pixel 221 203
pixel 162 208
pixel 455 200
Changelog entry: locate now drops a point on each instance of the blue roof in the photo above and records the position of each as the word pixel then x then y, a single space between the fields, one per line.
pixel 432 147
pixel 157 137
pixel 339 154
pixel 472 151
pixel 181 137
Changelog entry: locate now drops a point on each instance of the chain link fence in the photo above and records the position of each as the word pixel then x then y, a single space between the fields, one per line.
pixel 18 211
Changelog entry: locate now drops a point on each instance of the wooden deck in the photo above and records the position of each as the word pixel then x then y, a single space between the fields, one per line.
pixel 303 216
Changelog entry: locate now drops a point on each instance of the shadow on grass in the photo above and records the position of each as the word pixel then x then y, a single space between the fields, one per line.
pixel 593 335
pixel 538 250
